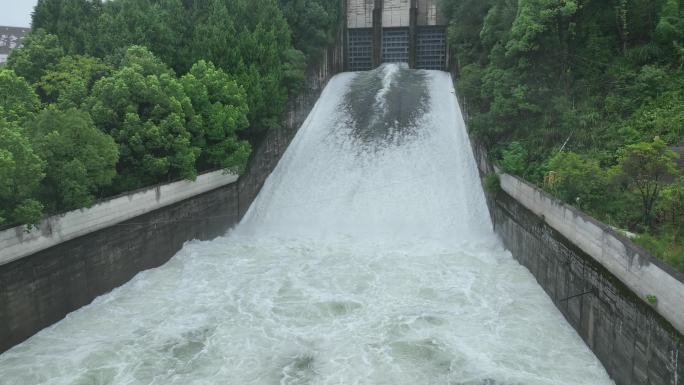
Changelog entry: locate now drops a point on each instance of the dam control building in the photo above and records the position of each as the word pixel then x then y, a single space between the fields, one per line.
pixel 10 38
pixel 395 31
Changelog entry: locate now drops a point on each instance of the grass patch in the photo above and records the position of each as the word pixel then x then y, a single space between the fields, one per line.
pixel 667 246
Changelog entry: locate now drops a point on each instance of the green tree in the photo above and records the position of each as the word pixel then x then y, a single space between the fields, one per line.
pixel 163 26
pixel 17 99
pixel 74 21
pixel 578 180
pixel 646 166
pixel 294 76
pixel 69 83
pixel 21 170
pixel 40 52
pixel 249 39
pixel 672 204
pixel 514 159
pixel 144 107
pixel 313 23
pixel 80 159
pixel 220 113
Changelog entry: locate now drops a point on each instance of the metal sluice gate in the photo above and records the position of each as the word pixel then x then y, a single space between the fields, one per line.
pixel 395 45
pixel 359 49
pixel 430 48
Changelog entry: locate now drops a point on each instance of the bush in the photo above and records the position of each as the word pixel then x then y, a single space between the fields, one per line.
pixel 514 159
pixel 492 183
pixel 667 246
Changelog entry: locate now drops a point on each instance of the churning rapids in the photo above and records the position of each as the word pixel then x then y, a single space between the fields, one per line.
pixel 367 258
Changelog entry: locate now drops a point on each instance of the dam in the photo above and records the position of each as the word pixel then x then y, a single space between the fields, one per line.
pixel 368 257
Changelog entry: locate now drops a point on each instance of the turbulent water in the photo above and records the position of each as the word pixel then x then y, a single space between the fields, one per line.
pixel 368 258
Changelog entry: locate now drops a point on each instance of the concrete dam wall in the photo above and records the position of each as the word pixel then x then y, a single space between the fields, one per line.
pixel 598 279
pixel 71 259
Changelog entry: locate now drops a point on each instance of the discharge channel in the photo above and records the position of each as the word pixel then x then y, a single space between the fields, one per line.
pixel 367 258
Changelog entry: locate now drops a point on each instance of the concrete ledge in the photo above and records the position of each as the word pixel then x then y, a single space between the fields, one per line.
pixel 16 243
pixel 638 270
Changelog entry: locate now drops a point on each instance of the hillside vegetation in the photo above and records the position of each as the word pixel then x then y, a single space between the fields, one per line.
pixel 109 96
pixel 585 98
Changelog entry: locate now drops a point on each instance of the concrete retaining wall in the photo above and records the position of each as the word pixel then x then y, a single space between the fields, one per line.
pixel 17 242
pixel 73 258
pixel 597 279
pixel 639 271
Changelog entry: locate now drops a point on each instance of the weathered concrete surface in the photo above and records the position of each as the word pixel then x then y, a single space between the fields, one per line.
pixel 395 13
pixel 40 288
pixel 16 243
pixel 635 343
pixel 360 13
pixel 642 273
pixel 430 14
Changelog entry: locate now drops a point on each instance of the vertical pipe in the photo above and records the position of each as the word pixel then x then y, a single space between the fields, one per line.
pixel 377 33
pixel 449 55
pixel 413 19
pixel 344 66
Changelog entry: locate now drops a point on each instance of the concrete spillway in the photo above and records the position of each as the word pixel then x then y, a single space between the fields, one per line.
pixel 368 258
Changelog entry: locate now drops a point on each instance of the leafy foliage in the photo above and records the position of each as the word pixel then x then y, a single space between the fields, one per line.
pixel 313 22
pixel 40 52
pixel 492 183
pixel 80 159
pixel 70 82
pixel 514 158
pixel 21 170
pixel 578 180
pixel 584 87
pixel 110 96
pixel 17 99
pixel 248 39
pixel 143 106
pixel 646 167
pixel 220 113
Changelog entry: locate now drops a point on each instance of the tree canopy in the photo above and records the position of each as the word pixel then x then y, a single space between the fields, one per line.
pixel 80 159
pixel 581 97
pixel 21 171
pixel 251 40
pixel 143 106
pixel 220 113
pixel 18 100
pixel 109 96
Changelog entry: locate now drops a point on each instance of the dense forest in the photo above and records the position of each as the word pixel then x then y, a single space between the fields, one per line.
pixel 585 99
pixel 109 96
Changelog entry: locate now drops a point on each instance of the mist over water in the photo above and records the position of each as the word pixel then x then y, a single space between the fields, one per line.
pixel 367 258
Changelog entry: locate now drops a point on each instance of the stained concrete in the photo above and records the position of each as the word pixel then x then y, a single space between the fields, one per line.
pixel 40 289
pixel 642 273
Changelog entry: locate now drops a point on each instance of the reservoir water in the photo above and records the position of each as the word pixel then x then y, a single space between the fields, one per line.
pixel 367 258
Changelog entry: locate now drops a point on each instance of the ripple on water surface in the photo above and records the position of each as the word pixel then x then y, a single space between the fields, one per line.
pixel 297 312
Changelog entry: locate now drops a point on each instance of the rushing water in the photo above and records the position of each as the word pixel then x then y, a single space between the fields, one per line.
pixel 368 258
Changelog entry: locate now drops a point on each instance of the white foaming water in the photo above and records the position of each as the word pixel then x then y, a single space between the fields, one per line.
pixel 357 264
pixel 389 74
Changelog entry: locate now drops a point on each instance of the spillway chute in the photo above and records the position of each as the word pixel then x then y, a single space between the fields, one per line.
pixel 367 258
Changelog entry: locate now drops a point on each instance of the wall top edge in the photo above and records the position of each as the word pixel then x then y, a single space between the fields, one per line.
pixel 18 242
pixel 621 238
